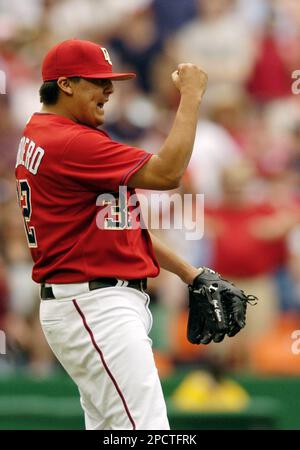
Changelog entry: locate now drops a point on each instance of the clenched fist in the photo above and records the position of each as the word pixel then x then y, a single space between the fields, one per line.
pixel 190 79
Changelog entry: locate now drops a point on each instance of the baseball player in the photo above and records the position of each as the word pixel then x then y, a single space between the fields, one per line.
pixel 94 308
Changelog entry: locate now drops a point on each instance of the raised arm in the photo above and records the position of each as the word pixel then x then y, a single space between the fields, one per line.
pixel 165 170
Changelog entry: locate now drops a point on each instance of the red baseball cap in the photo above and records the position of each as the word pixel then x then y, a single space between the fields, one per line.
pixel 78 58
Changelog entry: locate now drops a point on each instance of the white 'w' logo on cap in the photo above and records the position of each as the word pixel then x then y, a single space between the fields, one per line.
pixel 106 55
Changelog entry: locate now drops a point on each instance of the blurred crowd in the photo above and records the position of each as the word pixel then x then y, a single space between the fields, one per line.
pixel 246 159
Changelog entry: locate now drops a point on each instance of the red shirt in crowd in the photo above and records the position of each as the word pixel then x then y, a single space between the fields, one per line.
pixel 270 78
pixel 237 251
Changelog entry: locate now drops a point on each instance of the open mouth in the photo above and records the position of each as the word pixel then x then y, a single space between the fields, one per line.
pixel 100 105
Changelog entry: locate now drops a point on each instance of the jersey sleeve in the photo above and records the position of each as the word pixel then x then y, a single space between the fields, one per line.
pixel 94 161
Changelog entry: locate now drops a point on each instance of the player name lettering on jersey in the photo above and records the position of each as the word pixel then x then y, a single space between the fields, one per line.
pixel 29 155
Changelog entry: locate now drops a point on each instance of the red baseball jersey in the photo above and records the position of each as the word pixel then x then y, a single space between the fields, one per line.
pixel 62 168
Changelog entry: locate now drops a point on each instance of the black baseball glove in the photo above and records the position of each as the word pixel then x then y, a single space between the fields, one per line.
pixel 216 308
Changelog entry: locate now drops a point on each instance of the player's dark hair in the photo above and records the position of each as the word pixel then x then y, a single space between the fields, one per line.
pixel 49 91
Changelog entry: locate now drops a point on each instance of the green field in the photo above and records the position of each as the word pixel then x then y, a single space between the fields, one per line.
pixel 53 403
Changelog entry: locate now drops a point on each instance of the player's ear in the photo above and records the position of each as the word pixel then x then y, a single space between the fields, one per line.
pixel 65 85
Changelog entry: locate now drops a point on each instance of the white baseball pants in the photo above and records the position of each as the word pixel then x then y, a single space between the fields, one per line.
pixel 101 339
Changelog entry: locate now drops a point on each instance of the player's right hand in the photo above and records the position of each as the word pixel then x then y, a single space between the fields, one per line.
pixel 190 79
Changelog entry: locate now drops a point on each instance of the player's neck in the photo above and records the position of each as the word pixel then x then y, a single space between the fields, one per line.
pixel 57 109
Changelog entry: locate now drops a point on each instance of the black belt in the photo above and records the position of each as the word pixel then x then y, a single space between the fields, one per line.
pixel 139 284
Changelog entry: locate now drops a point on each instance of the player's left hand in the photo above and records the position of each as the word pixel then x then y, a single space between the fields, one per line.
pixel 216 308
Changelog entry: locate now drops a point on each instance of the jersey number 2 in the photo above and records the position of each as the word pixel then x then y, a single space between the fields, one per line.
pixel 24 197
